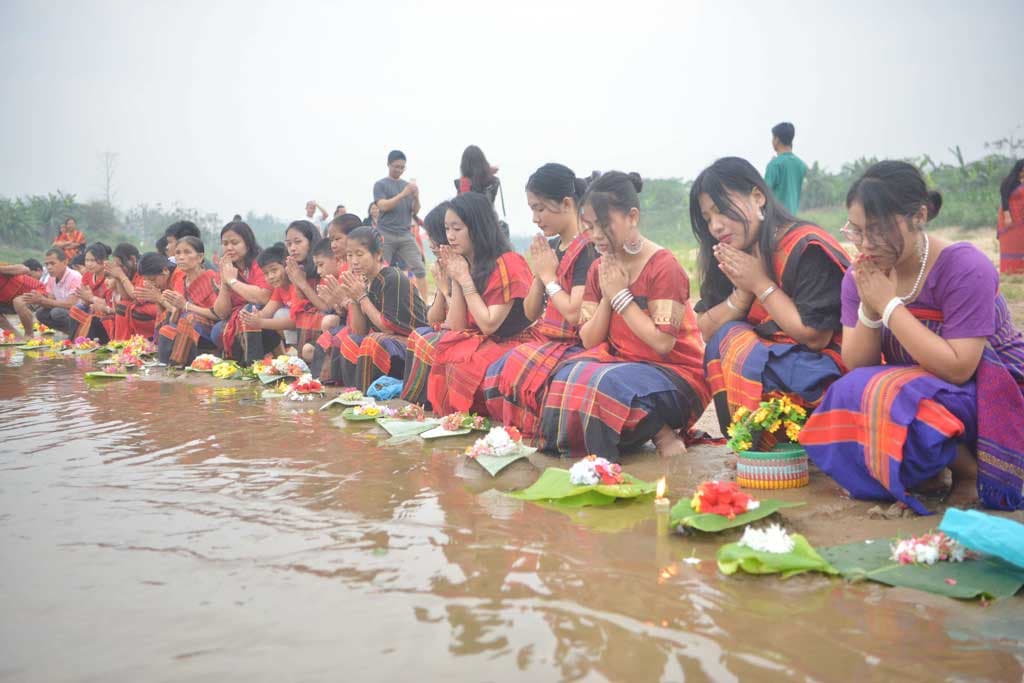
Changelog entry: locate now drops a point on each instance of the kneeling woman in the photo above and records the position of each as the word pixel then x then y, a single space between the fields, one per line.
pixel 189 325
pixel 561 258
pixel 94 312
pixel 385 308
pixel 769 307
pixel 241 283
pixel 485 310
pixel 951 391
pixel 641 376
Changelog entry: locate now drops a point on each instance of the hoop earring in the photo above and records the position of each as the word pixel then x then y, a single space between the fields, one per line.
pixel 635 247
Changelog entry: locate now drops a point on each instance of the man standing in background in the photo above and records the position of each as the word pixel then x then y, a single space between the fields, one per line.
pixel 311 208
pixel 785 173
pixel 398 201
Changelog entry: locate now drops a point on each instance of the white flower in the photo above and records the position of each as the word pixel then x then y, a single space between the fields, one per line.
pixel 772 539
pixel 584 474
pixel 500 442
pixel 691 560
pixel 753 504
pixel 926 553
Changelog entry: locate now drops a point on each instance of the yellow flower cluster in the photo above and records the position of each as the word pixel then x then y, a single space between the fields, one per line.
pixel 777 413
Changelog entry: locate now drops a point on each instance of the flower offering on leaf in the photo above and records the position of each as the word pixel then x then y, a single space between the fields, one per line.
pixel 205 362
pixel 226 369
pixel 778 413
pixel 305 384
pixel 499 442
pixel 40 328
pixel 125 361
pixel 7 336
pixel 457 421
pixel 453 422
pixel 351 395
pixel 593 470
pixel 928 549
pixel 722 498
pixel 412 412
pixel 263 367
pixel 85 344
pixel 372 410
pixel 771 539
pixel 35 342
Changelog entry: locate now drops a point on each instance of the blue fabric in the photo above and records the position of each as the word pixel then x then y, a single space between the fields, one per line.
pixel 989 534
pixel 385 388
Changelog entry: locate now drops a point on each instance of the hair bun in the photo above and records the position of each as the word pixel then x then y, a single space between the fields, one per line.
pixel 638 182
pixel 580 186
pixel 934 204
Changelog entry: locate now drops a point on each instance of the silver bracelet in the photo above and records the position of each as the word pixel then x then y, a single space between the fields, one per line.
pixel 622 300
pixel 730 304
pixel 890 307
pixel 466 291
pixel 865 320
pixel 553 288
pixel 766 293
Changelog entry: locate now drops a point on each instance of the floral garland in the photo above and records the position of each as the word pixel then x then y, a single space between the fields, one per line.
pixel 499 442
pixel 593 470
pixel 771 539
pixel 457 421
pixel 928 549
pixel 771 416
pixel 205 362
pixel 722 498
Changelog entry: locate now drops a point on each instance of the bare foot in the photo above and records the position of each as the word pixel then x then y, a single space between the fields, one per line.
pixel 963 493
pixel 668 443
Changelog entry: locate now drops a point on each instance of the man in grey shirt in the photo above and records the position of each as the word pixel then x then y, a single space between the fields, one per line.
pixel 398 201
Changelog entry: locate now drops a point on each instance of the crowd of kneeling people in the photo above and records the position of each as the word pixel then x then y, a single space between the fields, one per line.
pixel 907 357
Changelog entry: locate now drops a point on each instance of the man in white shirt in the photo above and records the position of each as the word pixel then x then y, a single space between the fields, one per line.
pixel 311 208
pixel 60 296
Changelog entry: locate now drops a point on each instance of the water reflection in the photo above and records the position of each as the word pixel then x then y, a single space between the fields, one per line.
pixel 211 532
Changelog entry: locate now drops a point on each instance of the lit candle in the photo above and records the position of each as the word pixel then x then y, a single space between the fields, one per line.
pixel 661 503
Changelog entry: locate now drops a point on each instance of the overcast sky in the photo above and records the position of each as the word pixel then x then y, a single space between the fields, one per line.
pixel 231 106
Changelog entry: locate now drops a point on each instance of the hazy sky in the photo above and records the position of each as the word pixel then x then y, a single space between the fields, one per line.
pixel 231 106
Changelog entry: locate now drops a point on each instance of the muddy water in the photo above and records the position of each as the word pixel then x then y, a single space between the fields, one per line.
pixel 180 530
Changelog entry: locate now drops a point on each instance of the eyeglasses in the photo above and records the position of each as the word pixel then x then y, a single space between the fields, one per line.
pixel 854 235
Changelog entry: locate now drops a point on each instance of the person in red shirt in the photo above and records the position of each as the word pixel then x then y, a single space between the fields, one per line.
pixel 16 280
pixel 70 238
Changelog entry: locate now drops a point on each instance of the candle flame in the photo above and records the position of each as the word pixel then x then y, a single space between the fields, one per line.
pixel 660 491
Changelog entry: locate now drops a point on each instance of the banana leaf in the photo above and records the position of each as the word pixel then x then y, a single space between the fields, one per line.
pixel 733 557
pixel 439 433
pixel 404 430
pixel 495 464
pixel 554 487
pixel 683 514
pixel 99 374
pixel 985 577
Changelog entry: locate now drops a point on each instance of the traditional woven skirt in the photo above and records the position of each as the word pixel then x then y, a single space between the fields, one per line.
pixel 365 358
pixel 742 368
pixel 515 384
pixel 419 358
pixel 604 408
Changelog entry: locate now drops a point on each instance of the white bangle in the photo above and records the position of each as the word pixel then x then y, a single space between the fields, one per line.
pixel 553 288
pixel 865 320
pixel 730 304
pixel 766 293
pixel 893 304
pixel 621 300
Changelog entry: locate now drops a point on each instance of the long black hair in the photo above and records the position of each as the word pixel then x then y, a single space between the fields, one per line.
pixel 736 175
pixel 1010 183
pixel 888 190
pixel 613 191
pixel 99 251
pixel 489 242
pixel 312 235
pixel 475 166
pixel 252 247
pixel 369 237
pixel 555 182
pixel 433 223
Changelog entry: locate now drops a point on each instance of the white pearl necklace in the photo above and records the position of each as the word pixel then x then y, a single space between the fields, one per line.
pixel 920 273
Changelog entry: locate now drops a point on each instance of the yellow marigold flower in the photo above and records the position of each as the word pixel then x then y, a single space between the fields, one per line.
pixel 775 426
pixel 799 411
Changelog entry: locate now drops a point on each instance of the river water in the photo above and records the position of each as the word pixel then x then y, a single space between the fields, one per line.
pixel 160 530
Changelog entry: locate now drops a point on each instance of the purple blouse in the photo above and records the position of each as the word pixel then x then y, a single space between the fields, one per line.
pixel 958 284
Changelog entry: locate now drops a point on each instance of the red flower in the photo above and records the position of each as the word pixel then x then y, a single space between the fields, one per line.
pixel 514 433
pixel 610 473
pixel 722 498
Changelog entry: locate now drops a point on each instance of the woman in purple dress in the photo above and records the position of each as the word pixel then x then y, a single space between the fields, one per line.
pixel 949 394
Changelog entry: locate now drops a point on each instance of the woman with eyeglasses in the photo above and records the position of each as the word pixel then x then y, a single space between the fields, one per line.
pixel 950 394
pixel 769 308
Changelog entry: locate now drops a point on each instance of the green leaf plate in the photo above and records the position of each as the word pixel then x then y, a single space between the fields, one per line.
pixel 803 558
pixel 406 428
pixel 99 374
pixel 554 487
pixel 439 433
pixel 350 415
pixel 495 464
pixel 988 577
pixel 682 514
